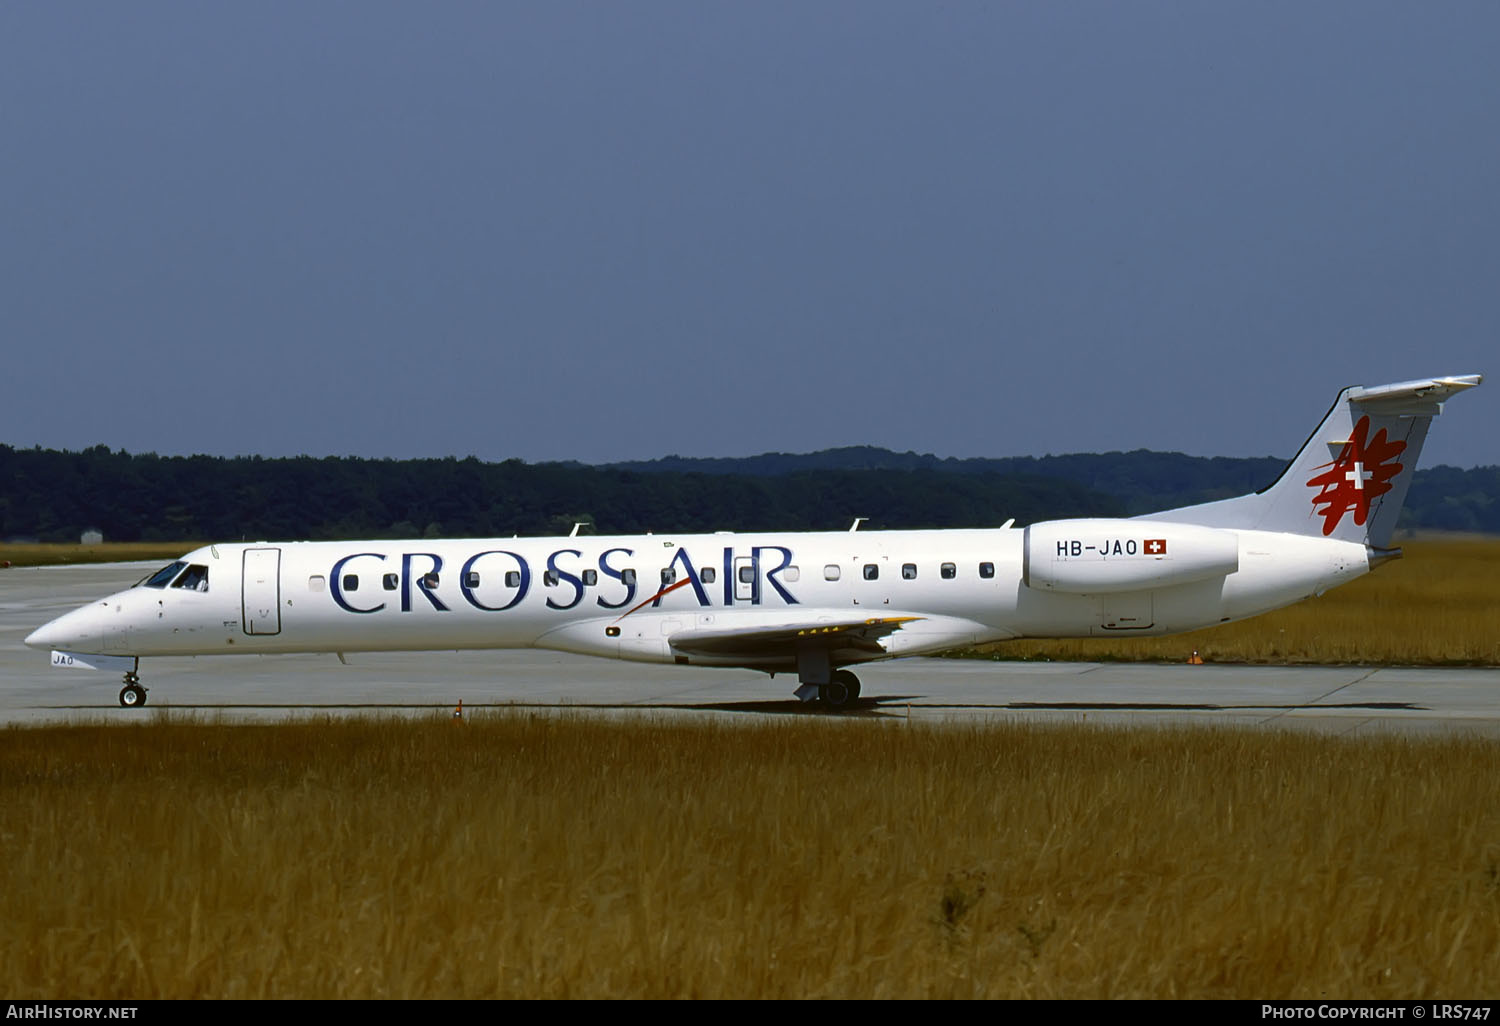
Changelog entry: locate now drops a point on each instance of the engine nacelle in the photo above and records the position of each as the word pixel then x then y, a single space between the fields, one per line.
pixel 1092 557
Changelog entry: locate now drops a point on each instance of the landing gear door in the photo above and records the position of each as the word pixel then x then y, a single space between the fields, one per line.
pixel 261 591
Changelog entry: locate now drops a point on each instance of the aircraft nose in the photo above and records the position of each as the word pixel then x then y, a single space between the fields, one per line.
pixel 44 637
pixel 76 631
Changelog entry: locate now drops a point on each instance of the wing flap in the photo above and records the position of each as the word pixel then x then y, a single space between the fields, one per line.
pixel 785 639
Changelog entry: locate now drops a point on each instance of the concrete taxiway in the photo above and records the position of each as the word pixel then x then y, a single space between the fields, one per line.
pixel 1340 700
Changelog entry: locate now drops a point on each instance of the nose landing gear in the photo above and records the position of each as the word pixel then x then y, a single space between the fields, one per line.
pixel 132 694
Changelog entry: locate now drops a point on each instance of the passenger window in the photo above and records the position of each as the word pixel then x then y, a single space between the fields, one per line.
pixel 472 578
pixel 351 582
pixel 791 574
pixel 512 578
pixel 986 569
pixel 948 571
pixel 668 576
pixel 389 582
pixel 550 578
pixel 908 571
pixel 747 575
pixel 430 580
pixel 194 578
pixel 707 575
pixel 627 576
pixel 872 571
pixel 591 577
pixel 316 582
pixel 831 572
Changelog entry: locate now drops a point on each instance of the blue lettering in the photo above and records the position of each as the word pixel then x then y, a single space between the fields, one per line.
pixel 619 575
pixel 406 579
pixel 692 576
pixel 563 575
pixel 472 599
pixel 335 582
pixel 786 561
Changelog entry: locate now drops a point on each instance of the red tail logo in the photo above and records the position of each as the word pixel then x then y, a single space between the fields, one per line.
pixel 1360 473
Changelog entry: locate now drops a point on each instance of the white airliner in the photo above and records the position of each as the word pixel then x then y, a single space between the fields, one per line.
pixel 804 603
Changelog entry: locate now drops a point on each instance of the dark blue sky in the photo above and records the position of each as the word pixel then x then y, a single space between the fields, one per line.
pixel 611 230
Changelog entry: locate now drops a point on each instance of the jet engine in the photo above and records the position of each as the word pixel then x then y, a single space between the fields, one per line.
pixel 1092 557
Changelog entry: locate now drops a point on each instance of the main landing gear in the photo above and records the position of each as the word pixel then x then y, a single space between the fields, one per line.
pixel 132 694
pixel 837 690
pixel 840 691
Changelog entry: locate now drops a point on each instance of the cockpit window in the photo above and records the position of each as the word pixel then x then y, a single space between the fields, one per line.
pixel 195 578
pixel 162 577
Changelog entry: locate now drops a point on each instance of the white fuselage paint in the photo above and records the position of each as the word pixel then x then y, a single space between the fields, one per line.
pixel 296 596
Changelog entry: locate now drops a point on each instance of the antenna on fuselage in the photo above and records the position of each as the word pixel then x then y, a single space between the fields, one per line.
pixel 857 521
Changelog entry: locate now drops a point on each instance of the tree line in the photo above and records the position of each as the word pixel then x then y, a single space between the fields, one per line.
pixel 50 495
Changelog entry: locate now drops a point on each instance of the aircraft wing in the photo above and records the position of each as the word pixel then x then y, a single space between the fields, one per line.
pixel 853 640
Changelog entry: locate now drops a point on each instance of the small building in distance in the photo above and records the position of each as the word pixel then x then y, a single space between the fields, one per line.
pixel 91 536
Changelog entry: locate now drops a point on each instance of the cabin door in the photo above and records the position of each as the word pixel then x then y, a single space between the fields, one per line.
pixel 261 591
pixel 745 585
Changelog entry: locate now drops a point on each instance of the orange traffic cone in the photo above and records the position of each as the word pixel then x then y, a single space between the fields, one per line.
pixel 1195 659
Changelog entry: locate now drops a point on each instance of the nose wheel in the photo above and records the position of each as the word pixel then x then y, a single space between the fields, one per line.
pixel 132 694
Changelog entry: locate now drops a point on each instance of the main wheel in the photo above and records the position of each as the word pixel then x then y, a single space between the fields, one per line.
pixel 850 681
pixel 132 695
pixel 841 689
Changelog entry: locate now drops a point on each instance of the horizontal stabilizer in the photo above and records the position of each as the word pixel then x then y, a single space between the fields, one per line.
pixel 1421 398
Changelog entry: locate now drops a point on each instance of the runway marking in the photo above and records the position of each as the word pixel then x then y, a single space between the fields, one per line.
pixel 1314 703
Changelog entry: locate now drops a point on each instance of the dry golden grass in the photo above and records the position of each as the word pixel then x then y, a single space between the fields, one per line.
pixel 44 554
pixel 1440 605
pixel 526 856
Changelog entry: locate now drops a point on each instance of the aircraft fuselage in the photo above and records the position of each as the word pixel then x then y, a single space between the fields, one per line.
pixel 629 597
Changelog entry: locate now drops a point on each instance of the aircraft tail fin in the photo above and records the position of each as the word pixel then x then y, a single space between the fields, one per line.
pixel 1350 478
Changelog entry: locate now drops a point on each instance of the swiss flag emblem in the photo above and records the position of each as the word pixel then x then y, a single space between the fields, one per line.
pixel 1156 546
pixel 1364 471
